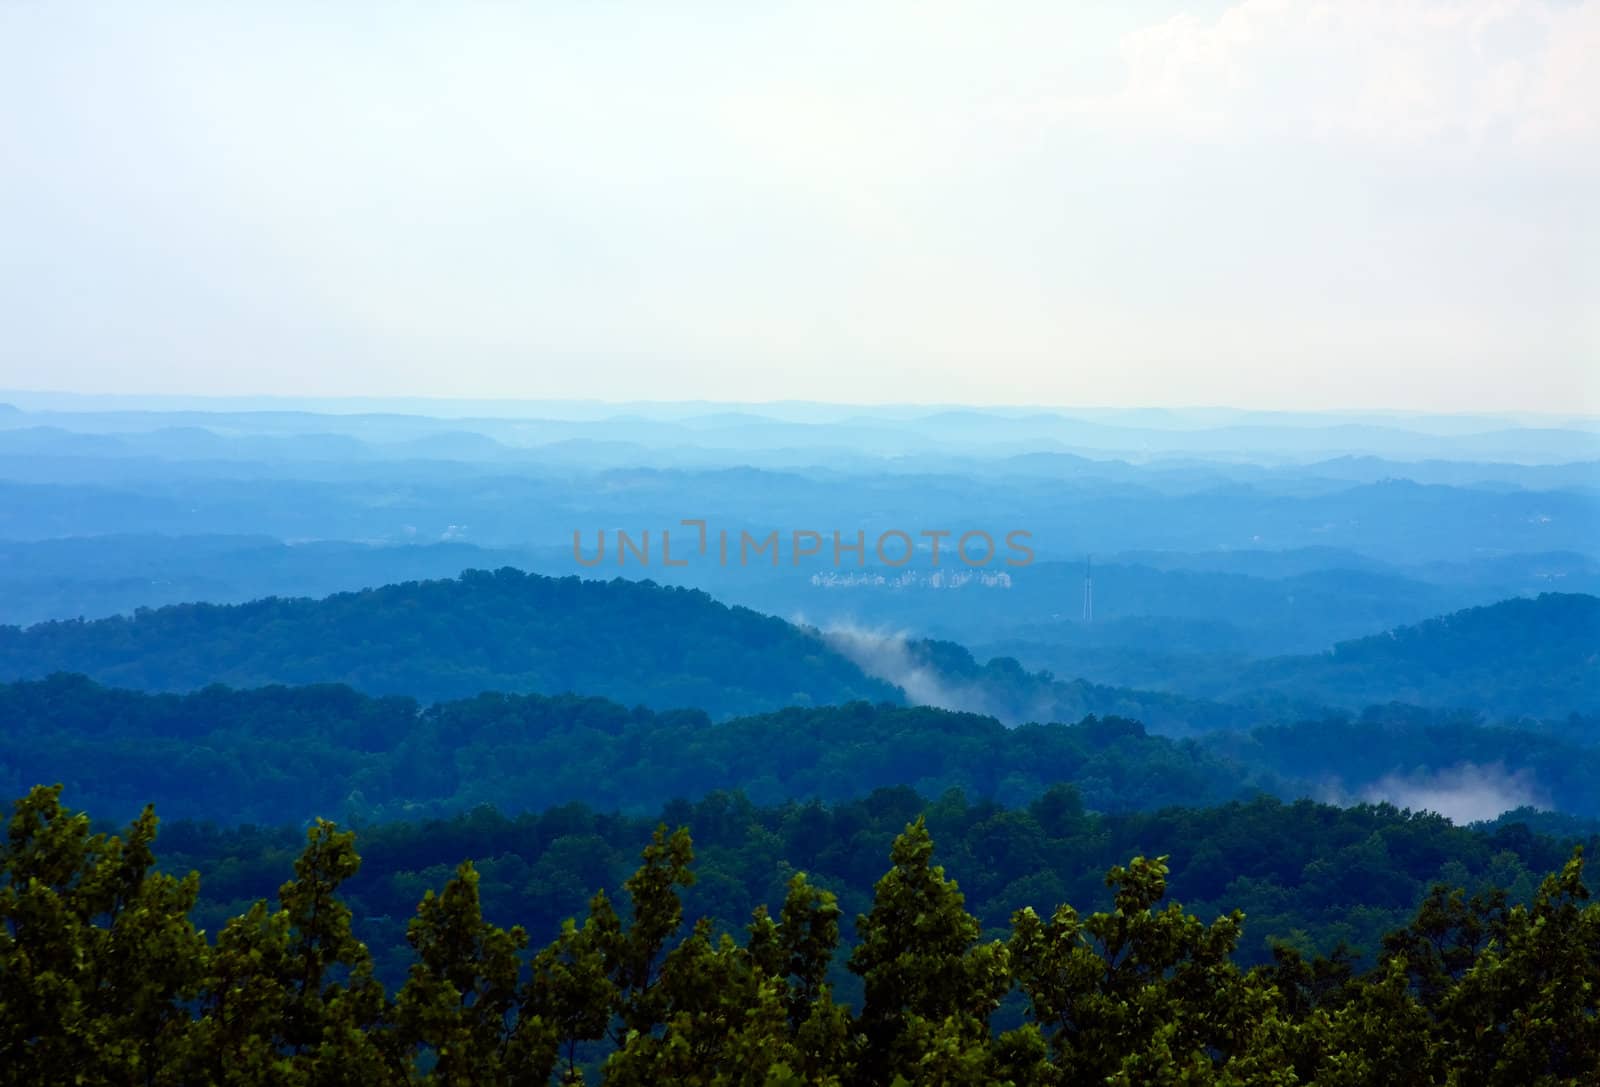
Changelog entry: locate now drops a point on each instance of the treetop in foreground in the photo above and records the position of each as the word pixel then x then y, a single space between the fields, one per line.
pixel 105 980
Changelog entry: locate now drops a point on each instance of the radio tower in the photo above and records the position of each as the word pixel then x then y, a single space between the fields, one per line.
pixel 1088 589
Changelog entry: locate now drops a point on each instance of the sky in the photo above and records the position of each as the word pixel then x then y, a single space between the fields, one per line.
pixel 1267 204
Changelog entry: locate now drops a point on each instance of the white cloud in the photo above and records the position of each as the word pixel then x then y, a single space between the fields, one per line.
pixel 1400 74
pixel 887 655
pixel 1270 204
pixel 1466 793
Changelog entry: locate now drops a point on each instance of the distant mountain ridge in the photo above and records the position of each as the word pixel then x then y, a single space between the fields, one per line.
pixel 633 642
pixel 638 642
pixel 1536 657
pixel 1519 658
pixel 886 428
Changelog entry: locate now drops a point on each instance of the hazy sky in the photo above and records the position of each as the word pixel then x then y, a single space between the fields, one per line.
pixel 1266 204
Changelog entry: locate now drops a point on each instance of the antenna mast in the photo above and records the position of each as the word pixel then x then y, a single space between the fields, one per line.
pixel 1088 589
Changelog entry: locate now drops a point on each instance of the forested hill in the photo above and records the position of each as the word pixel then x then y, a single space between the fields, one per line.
pixel 280 754
pixel 1536 657
pixel 947 674
pixel 634 642
pixel 292 753
pixel 1520 658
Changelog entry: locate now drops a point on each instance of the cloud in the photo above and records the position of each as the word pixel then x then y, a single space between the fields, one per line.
pixel 1401 75
pixel 1466 793
pixel 1276 205
pixel 892 657
pixel 887 656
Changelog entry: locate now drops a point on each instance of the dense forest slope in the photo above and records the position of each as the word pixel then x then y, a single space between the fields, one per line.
pixel 1538 657
pixel 635 642
pixel 1304 872
pixel 277 753
pixel 280 752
